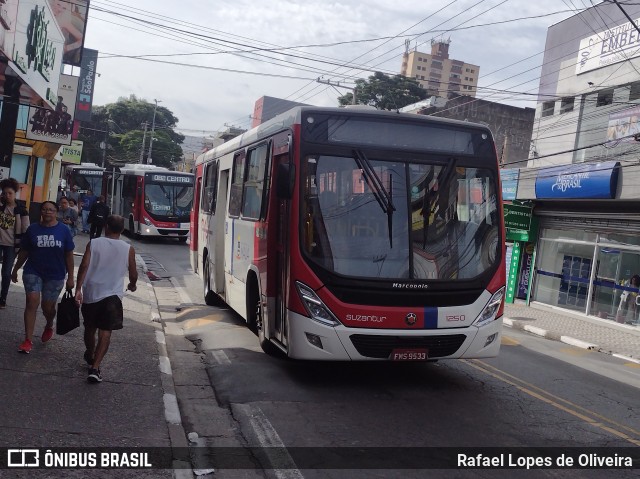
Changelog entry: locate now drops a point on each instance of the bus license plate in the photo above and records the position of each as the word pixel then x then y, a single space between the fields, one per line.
pixel 409 355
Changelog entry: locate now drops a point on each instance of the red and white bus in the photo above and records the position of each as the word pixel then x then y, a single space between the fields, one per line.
pixel 153 200
pixel 346 234
pixel 85 176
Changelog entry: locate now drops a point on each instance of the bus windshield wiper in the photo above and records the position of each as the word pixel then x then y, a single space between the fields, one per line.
pixel 382 196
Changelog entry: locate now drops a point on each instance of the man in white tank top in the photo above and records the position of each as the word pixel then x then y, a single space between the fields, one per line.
pixel 99 290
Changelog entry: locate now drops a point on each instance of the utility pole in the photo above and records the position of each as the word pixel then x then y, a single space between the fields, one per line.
pixel 153 127
pixel 104 145
pixel 337 84
pixel 144 137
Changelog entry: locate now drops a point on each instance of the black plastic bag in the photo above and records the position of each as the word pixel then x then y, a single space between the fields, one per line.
pixel 68 316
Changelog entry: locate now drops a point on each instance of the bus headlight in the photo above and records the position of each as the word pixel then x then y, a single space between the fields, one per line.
pixel 315 307
pixel 489 312
pixel 147 221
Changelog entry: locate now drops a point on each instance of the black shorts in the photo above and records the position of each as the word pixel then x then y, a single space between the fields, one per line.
pixel 106 314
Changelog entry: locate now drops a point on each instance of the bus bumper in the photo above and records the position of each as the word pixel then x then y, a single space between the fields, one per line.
pixel 366 344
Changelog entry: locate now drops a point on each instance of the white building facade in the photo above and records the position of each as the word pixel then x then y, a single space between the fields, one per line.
pixel 583 172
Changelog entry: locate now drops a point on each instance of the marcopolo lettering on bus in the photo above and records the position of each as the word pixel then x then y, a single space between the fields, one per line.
pixel 90 172
pixel 172 179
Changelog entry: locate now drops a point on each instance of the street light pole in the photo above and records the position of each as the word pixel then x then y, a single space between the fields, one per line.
pixel 153 127
pixel 144 138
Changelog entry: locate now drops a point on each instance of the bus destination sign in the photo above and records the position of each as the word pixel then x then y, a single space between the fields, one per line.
pixel 171 179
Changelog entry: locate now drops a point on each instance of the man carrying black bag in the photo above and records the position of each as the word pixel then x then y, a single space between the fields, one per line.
pixel 99 290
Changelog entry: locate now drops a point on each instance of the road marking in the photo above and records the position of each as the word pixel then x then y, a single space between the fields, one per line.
pixel 171 410
pixel 182 292
pixel 507 341
pixel 556 400
pixel 165 365
pixel 160 337
pixel 575 351
pixel 268 438
pixel 221 357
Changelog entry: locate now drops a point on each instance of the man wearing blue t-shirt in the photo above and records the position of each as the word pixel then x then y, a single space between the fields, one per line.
pixel 47 247
pixel 88 201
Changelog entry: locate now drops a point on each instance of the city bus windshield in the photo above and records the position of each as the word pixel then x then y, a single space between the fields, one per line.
pixel 445 220
pixel 167 201
pixel 87 180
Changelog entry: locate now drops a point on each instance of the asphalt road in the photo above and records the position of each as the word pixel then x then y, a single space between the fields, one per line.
pixel 536 394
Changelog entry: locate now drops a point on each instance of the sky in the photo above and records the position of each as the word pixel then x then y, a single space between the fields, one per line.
pixel 189 54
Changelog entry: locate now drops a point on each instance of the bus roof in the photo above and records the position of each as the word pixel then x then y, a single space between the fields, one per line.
pixel 294 117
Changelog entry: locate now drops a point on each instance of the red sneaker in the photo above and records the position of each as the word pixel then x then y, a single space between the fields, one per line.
pixel 25 347
pixel 47 334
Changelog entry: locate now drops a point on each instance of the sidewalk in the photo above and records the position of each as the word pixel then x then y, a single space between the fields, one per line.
pixel 575 329
pixel 46 400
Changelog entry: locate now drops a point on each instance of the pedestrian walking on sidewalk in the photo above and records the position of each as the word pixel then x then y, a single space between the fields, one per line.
pixel 47 249
pixel 100 289
pixel 97 217
pixel 87 201
pixel 14 221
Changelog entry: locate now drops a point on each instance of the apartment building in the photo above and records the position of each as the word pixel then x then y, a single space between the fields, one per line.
pixel 437 73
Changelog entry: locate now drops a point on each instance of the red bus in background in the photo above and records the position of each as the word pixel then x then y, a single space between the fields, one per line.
pixel 350 234
pixel 85 176
pixel 153 200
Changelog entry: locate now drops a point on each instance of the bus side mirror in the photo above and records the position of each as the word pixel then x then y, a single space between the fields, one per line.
pixel 286 181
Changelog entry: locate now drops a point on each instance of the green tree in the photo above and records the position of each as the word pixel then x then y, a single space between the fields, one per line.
pixel 385 92
pixel 123 120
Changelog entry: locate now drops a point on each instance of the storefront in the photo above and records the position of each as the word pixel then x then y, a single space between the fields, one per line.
pixel 588 247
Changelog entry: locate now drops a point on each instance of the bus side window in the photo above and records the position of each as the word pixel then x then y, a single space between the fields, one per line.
pixel 210 189
pixel 254 181
pixel 235 198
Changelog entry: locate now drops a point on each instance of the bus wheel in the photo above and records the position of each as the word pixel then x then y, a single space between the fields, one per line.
pixel 267 346
pixel 132 231
pixel 210 298
pixel 182 239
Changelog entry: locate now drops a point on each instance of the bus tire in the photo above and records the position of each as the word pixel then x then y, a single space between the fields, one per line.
pixel 210 298
pixel 132 231
pixel 267 346
pixel 255 320
pixel 182 239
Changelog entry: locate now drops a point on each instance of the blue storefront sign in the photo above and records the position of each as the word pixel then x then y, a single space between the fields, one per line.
pixel 585 180
pixel 509 180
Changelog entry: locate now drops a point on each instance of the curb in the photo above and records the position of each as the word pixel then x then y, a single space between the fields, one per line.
pixel 564 339
pixel 177 434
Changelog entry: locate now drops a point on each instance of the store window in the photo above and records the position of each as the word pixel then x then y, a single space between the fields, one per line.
pixel 568 260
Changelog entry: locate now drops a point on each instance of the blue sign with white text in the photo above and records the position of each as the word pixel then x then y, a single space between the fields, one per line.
pixel 584 180
pixel 509 180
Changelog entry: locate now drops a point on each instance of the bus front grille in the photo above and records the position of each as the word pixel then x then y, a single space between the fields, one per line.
pixel 380 347
pixel 172 232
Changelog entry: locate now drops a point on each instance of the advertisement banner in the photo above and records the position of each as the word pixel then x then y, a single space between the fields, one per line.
pixel 509 180
pixel 8 16
pixel 617 44
pixel 72 153
pixel 582 180
pixel 72 20
pixel 55 126
pixel 623 125
pixel 36 55
pixel 86 84
pixel 525 271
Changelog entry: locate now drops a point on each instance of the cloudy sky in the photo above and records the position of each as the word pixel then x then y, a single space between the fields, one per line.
pixel 209 61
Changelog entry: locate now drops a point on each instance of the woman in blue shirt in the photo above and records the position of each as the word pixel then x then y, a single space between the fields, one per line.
pixel 47 247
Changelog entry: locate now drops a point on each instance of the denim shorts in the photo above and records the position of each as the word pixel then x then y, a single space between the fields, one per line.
pixel 50 288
